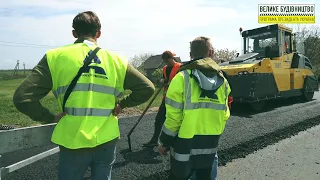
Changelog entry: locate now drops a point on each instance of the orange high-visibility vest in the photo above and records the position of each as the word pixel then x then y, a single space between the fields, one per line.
pixel 173 72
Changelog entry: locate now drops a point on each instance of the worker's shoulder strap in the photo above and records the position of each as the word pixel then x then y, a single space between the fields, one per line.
pixel 73 83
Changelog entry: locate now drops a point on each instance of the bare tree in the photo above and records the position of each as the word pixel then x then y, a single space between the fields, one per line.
pixel 224 54
pixel 308 43
pixel 138 60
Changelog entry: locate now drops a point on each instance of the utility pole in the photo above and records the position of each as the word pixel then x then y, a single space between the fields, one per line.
pixel 16 69
pixel 190 51
pixel 24 68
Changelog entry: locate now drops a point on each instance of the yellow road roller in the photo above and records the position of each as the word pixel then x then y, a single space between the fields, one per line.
pixel 270 67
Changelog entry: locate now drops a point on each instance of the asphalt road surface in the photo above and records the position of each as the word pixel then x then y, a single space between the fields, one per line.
pixel 245 133
pixel 293 158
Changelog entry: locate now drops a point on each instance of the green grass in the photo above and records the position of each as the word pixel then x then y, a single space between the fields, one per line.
pixel 9 115
pixel 156 102
pixel 8 74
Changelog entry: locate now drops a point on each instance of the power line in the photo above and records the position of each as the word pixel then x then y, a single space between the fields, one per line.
pixel 22 46
pixel 10 42
pixel 29 45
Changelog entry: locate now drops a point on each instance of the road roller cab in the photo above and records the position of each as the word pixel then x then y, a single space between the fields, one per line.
pixel 272 65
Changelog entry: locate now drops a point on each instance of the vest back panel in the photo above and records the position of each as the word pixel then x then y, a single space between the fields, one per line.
pixel 89 121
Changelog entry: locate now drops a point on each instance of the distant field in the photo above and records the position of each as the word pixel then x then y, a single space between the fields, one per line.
pixel 8 74
pixel 10 116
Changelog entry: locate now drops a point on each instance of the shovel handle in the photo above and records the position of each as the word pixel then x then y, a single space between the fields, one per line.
pixel 131 130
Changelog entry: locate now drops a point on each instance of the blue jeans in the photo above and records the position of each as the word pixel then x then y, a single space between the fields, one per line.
pixel 73 163
pixel 214 171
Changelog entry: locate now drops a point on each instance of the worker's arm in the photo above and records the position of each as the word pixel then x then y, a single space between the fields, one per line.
pixel 174 111
pixel 230 98
pixel 28 95
pixel 165 80
pixel 162 80
pixel 229 101
pixel 142 88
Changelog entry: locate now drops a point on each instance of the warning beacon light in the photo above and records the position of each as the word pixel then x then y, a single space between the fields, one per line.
pixel 240 30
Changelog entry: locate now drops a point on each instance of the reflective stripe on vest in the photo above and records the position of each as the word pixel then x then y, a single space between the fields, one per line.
pixel 193 152
pixel 88 112
pixel 88 87
pixel 168 131
pixel 190 105
pixel 89 121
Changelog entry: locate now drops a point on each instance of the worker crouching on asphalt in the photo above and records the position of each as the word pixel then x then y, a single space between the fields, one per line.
pixel 196 114
pixel 169 71
pixel 87 131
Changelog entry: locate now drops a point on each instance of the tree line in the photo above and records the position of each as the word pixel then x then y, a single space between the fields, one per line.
pixel 310 35
pixel 219 55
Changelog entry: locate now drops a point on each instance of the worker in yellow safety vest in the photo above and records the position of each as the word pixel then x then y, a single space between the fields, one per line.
pixel 197 111
pixel 86 81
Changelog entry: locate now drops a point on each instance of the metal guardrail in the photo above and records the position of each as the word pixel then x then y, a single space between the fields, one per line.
pixel 24 138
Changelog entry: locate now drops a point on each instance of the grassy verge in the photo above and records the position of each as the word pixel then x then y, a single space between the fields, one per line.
pixel 9 115
pixel 156 102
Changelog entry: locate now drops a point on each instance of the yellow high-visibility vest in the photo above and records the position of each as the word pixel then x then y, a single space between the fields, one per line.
pixel 89 121
pixel 210 114
pixel 194 121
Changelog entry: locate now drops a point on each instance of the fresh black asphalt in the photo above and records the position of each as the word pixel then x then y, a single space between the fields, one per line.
pixel 245 133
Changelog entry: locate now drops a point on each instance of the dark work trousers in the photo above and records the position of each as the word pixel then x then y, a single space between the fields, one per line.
pixel 73 163
pixel 160 118
pixel 202 174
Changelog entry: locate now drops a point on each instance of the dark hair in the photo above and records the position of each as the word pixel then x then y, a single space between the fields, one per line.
pixel 167 55
pixel 200 47
pixel 86 23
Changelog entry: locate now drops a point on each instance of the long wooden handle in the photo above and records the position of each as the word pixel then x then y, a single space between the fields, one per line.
pixel 130 132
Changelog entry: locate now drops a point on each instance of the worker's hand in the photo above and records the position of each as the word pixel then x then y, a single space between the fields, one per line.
pixel 117 110
pixel 59 116
pixel 162 150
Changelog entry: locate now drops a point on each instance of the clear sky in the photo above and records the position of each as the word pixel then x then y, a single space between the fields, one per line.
pixel 30 27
